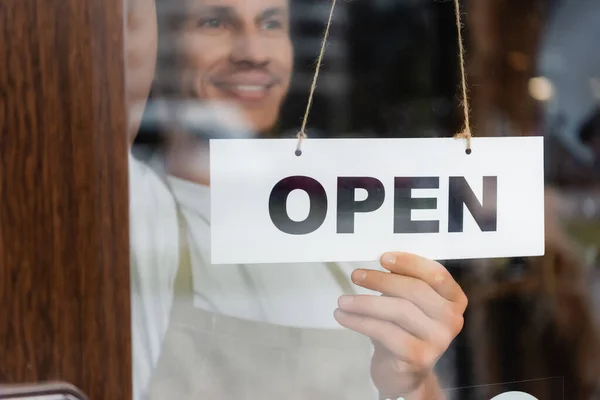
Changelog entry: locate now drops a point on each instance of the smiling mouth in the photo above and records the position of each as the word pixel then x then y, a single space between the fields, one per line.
pixel 246 92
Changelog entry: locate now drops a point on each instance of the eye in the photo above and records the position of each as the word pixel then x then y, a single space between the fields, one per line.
pixel 272 24
pixel 210 23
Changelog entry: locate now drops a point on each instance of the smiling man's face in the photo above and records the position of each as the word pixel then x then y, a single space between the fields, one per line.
pixel 239 52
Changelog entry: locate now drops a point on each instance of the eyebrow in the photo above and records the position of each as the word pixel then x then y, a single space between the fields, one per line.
pixel 222 11
pixel 230 12
pixel 271 12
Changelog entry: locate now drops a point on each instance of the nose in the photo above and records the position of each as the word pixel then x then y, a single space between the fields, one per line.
pixel 250 50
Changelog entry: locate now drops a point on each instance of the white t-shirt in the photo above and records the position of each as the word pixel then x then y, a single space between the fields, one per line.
pixel 300 295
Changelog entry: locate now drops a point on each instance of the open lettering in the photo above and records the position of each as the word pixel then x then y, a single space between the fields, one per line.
pixel 460 196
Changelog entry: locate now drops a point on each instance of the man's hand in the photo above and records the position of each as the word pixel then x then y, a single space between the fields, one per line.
pixel 411 325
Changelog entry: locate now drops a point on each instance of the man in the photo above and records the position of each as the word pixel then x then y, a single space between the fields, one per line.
pixel 260 331
pixel 237 53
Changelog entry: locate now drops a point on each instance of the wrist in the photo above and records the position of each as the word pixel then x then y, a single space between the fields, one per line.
pixel 429 389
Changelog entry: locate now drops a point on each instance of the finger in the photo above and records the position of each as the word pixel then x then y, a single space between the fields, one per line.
pixel 399 311
pixel 409 288
pixel 429 271
pixel 397 341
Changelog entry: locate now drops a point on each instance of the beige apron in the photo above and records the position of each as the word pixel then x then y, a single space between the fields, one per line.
pixel 216 357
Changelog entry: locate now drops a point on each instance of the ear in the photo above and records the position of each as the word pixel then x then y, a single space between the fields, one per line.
pixel 141 50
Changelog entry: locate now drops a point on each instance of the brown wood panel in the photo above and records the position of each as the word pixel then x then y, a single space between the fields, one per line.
pixel 64 275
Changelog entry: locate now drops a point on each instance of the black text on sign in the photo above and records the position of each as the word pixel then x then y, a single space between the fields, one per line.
pixel 354 199
pixel 460 195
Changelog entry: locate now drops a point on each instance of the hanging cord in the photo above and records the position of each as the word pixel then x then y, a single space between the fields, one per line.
pixel 466 133
pixel 302 134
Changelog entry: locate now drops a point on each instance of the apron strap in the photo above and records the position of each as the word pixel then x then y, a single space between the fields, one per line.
pixel 341 278
pixel 184 283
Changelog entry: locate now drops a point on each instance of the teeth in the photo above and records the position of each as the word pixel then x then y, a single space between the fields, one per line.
pixel 249 88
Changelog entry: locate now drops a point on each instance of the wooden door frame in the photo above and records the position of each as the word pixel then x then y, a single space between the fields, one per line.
pixel 64 240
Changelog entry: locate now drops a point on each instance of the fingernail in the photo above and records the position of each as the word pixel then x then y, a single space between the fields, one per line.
pixel 359 276
pixel 345 300
pixel 388 259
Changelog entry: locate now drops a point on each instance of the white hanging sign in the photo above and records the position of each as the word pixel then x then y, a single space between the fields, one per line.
pixel 354 199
